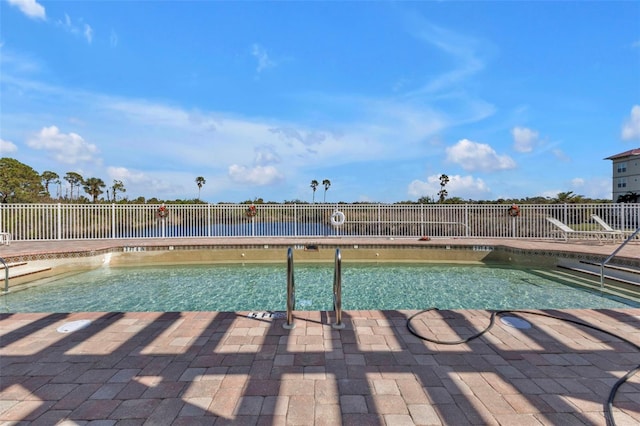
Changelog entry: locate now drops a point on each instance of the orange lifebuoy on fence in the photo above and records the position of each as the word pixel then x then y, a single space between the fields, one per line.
pixel 251 211
pixel 514 211
pixel 162 212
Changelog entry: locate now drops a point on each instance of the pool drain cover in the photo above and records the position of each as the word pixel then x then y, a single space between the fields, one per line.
pixel 72 326
pixel 515 322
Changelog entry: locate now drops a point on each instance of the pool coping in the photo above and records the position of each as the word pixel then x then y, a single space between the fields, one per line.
pixel 61 250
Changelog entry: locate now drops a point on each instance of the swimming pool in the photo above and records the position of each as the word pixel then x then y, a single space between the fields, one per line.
pixel 262 287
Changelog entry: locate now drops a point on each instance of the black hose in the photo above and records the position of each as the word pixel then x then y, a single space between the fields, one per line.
pixel 440 342
pixel 608 408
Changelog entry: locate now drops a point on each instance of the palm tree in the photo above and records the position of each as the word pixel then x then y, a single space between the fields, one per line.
pixel 93 186
pixel 567 197
pixel 49 177
pixel 118 186
pixel 327 184
pixel 74 179
pixel 629 197
pixel 444 179
pixel 200 181
pixel 314 186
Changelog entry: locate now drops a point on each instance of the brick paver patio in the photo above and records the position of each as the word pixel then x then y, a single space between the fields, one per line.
pixel 208 367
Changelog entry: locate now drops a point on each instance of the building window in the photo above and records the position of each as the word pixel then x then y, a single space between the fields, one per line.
pixel 622 183
pixel 622 167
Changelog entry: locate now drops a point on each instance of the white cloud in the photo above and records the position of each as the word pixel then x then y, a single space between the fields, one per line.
pixel 68 148
pixel 31 8
pixel 7 147
pixel 82 30
pixel 88 33
pixel 465 187
pixel 126 175
pixel 466 53
pixel 258 175
pixel 264 61
pixel 266 155
pixel 631 129
pixel 478 156
pixel 219 141
pixel 67 22
pixel 524 139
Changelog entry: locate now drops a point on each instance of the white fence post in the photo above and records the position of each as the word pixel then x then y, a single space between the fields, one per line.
pixel 59 221
pixel 113 220
pixel 466 220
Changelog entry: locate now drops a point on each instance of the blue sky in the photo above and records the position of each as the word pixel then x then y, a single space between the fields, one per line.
pixel 509 99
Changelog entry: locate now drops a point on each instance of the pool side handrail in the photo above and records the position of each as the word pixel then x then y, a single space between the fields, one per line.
pixel 6 276
pixel 337 290
pixel 291 291
pixel 604 262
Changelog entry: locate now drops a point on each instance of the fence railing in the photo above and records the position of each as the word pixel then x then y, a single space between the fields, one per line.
pixel 28 222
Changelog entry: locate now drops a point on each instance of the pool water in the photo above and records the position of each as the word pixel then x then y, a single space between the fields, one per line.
pixel 252 287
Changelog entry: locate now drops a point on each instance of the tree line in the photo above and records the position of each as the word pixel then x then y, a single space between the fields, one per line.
pixel 20 183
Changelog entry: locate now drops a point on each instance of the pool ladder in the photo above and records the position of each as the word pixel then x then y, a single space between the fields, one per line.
pixel 337 291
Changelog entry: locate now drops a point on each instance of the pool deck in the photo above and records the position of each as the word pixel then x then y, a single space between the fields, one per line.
pixel 189 368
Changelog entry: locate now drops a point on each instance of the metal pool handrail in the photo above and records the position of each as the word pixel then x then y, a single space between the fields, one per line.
pixel 337 290
pixel 291 291
pixel 6 275
pixel 604 262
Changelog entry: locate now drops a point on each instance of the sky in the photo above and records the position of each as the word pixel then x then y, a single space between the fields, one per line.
pixel 510 99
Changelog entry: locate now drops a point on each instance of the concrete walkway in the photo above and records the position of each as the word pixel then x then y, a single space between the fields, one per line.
pixel 228 368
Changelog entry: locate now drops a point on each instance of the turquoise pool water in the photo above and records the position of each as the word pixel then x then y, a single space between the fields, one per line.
pixel 262 287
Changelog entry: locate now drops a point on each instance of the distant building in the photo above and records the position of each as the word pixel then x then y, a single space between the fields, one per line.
pixel 626 176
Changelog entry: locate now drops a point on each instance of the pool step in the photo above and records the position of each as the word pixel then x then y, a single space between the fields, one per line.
pixel 11 265
pixel 20 270
pixel 627 275
pixel 581 278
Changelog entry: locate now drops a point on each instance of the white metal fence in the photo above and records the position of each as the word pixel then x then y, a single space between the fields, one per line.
pixel 28 222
